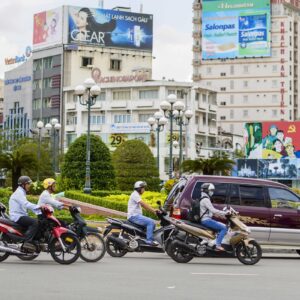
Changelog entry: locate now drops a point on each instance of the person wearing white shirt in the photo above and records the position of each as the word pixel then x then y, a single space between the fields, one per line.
pixel 18 206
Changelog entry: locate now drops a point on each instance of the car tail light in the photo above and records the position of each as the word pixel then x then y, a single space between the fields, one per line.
pixel 176 213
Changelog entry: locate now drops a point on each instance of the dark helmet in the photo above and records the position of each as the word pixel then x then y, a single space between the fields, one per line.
pixel 207 187
pixel 23 180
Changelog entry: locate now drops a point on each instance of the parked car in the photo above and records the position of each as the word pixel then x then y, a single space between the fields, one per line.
pixel 270 209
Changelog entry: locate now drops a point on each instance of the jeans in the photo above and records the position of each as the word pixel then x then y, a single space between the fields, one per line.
pixel 216 226
pixel 31 225
pixel 144 221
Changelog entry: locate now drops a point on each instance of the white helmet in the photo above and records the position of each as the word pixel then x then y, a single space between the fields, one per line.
pixel 208 188
pixel 140 184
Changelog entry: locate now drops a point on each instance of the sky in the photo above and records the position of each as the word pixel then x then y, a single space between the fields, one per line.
pixel 172 41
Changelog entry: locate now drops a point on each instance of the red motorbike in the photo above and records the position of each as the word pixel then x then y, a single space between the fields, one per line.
pixel 60 242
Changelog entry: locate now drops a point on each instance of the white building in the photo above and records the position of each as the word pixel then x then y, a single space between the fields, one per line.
pixel 122 110
pixel 254 89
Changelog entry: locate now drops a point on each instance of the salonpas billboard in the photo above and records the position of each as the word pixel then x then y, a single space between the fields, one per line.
pixel 235 29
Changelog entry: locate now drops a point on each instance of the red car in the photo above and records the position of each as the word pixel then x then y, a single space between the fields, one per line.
pixel 270 209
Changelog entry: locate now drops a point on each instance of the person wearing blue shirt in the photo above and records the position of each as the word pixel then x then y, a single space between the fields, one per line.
pixel 18 206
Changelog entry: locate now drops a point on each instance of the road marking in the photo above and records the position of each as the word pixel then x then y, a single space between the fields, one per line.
pixel 224 274
pixel 171 287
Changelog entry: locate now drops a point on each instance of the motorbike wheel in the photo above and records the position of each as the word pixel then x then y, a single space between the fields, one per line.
pixel 178 254
pixel 92 247
pixel 113 249
pixel 3 256
pixel 27 257
pixel 250 254
pixel 72 246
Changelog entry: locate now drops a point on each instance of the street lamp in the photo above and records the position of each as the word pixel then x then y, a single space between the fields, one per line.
pixel 92 90
pixel 182 118
pixel 39 125
pixel 53 129
pixel 169 108
pixel 160 122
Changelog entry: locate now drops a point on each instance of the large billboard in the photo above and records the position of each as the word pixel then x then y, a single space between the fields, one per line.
pixel 235 29
pixel 110 28
pixel 47 28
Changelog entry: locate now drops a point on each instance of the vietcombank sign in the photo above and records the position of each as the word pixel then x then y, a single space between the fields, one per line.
pixel 235 29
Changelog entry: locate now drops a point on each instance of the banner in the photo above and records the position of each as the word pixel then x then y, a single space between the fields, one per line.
pixel 110 28
pixel 235 29
pixel 47 28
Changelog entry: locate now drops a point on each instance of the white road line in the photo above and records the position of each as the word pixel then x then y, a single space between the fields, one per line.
pixel 224 274
pixel 171 287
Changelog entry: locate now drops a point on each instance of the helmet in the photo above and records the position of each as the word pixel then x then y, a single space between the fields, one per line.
pixel 24 179
pixel 48 182
pixel 140 184
pixel 208 188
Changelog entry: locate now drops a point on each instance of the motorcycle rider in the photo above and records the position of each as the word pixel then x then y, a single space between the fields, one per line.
pixel 207 210
pixel 135 213
pixel 18 206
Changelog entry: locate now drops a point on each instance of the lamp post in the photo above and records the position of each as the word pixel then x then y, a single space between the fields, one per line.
pixel 182 118
pixel 169 107
pixel 160 122
pixel 53 129
pixel 39 126
pixel 92 91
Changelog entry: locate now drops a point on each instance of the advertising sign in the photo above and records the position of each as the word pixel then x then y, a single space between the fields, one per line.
pixel 142 127
pixel 110 28
pixel 235 29
pixel 47 28
pixel 247 168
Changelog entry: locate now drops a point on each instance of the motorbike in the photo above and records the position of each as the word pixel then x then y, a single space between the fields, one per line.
pixel 60 242
pixel 124 236
pixel 194 240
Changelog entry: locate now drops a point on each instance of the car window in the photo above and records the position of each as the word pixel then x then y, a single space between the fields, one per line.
pixel 197 190
pixel 174 193
pixel 234 195
pixel 281 198
pixel 219 196
pixel 252 196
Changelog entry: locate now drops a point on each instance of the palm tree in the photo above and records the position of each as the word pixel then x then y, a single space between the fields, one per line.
pixel 210 166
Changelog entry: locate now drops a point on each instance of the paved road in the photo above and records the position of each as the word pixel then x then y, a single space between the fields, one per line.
pixel 151 276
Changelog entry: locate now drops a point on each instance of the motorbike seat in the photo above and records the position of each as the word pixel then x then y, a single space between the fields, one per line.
pixel 140 227
pixel 196 225
pixel 12 224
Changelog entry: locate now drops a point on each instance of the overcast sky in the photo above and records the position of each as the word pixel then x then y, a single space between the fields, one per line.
pixel 172 30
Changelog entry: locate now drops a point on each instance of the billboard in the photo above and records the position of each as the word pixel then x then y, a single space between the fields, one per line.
pixel 235 29
pixel 47 28
pixel 110 28
pixel 247 168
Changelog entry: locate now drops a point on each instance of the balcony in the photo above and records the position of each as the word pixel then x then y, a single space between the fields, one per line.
pixel 202 105
pixel 144 103
pixel 213 107
pixel 202 129
pixel 97 105
pixel 70 127
pixel 96 127
pixel 71 105
pixel 119 104
pixel 196 77
pixel 213 130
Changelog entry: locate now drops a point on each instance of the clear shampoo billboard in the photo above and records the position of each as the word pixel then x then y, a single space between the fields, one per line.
pixel 235 29
pixel 110 28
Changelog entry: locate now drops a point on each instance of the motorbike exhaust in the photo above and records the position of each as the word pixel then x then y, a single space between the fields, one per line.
pixel 10 250
pixel 122 244
pixel 184 246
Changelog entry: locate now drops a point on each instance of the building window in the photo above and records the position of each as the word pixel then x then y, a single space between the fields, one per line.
pixel 36 84
pixel 47 83
pixel 232 84
pixel 274 53
pixel 274 83
pixel 148 94
pixel 274 112
pixel 208 70
pixel 48 63
pixel 98 120
pixel 86 61
pixel 232 128
pixel 246 69
pixel 121 95
pixel 115 64
pixel 100 97
pixel 231 70
pixel 245 83
pixel 122 118
pixel 231 114
pixel 223 74
pixel 145 117
pixel 37 65
pixel 245 99
pixel 71 120
pixel 245 113
pixel 47 102
pixel 208 83
pixel 274 68
pixel 274 98
pixel 223 88
pixel 36 104
pixel 231 99
pixel 204 98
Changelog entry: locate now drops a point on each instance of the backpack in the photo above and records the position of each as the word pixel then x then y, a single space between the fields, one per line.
pixel 194 212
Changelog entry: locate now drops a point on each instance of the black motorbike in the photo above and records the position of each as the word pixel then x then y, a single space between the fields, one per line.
pixel 124 236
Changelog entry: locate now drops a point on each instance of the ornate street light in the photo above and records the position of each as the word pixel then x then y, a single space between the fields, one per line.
pixel 160 122
pixel 92 91
pixel 39 126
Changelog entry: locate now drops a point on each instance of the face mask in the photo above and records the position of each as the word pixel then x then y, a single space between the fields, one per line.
pixel 210 193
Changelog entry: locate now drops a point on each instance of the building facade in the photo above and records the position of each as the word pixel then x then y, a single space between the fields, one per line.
pixel 254 89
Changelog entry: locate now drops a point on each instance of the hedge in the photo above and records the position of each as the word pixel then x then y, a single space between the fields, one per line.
pixel 108 193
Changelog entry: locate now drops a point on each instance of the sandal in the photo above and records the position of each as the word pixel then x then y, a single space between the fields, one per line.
pixel 219 248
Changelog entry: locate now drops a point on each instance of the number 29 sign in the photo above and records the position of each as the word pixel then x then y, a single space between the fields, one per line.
pixel 117 139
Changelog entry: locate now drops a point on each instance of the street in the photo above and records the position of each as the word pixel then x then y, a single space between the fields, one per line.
pixel 151 276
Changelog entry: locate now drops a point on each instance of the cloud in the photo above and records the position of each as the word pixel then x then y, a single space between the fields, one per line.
pixel 173 52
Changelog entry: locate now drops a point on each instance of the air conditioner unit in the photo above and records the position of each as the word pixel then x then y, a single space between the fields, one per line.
pixel 90 66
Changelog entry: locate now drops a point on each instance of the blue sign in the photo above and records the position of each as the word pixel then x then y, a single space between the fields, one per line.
pixel 20 79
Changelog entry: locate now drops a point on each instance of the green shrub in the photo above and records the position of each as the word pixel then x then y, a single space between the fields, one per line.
pixel 134 161
pixel 73 168
pixel 108 193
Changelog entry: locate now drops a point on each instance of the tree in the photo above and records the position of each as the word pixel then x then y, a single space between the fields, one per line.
pixel 134 161
pixel 22 159
pixel 73 168
pixel 210 166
